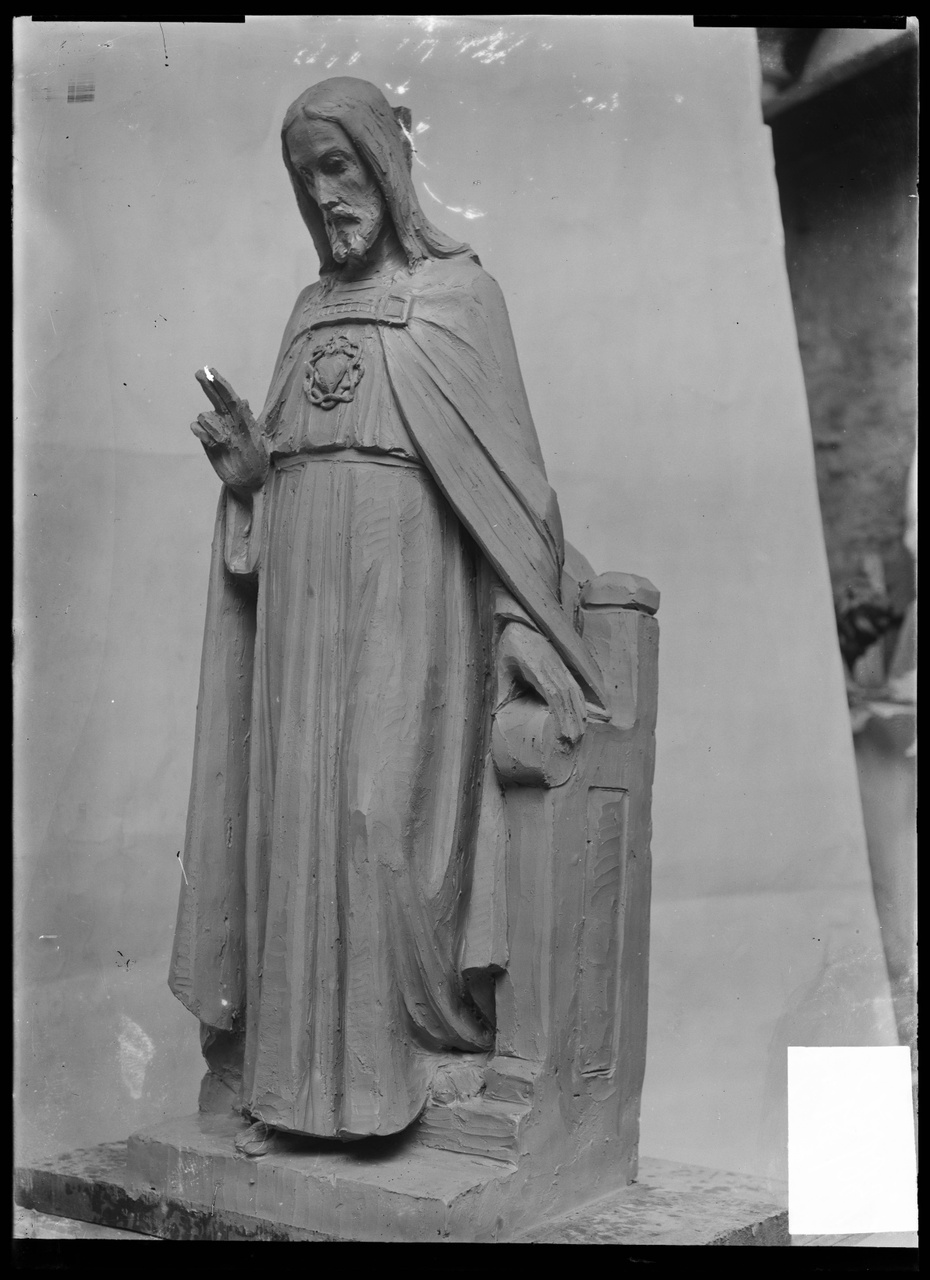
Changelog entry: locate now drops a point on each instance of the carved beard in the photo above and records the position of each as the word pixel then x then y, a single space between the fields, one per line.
pixel 352 230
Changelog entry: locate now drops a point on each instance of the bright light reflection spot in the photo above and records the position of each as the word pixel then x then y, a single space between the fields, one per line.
pixel 486 47
pixel 469 212
pixel 429 25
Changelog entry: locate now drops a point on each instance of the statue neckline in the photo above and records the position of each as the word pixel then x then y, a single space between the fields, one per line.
pixel 381 276
pixel 368 287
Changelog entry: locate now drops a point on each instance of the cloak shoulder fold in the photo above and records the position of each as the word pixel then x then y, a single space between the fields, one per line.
pixel 288 351
pixel 454 372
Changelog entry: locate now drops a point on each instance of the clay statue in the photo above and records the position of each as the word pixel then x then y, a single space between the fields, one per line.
pixel 393 648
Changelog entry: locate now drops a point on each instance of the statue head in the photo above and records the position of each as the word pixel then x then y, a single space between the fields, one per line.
pixel 341 186
pixel 349 157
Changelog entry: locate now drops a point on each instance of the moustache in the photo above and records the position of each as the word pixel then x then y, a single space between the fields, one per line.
pixel 341 214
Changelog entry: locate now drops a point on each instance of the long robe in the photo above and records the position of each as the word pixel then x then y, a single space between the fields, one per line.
pixel 345 830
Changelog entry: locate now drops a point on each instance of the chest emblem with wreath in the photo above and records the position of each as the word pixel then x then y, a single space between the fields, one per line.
pixel 335 370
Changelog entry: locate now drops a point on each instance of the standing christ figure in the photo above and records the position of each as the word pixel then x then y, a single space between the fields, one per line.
pixel 386 573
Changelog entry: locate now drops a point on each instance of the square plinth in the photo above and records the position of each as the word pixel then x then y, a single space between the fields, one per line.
pixel 184 1180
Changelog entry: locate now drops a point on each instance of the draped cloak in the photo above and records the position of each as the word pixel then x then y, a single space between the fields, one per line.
pixel 349 928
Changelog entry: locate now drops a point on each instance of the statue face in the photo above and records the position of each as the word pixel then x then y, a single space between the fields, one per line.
pixel 339 182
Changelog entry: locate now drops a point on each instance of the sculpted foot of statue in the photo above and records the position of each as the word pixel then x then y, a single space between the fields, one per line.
pixel 258 1140
pixel 456 1078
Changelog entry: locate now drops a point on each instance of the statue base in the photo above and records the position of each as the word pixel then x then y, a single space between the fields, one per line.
pixel 183 1180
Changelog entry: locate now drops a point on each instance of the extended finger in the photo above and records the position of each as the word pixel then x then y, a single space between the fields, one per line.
pixel 209 429
pixel 527 674
pixel 575 714
pixel 206 440
pixel 207 379
pixel 563 707
pixel 218 391
pixel 579 709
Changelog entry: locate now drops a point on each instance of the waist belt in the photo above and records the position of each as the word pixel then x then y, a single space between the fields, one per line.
pixel 347 455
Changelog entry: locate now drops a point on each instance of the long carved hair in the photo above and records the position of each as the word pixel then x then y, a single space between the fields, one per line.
pixel 376 132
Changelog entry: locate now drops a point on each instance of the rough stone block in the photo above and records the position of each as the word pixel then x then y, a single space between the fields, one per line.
pixel 183 1181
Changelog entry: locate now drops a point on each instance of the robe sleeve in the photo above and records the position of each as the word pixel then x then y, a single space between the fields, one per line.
pixel 506 609
pixel 208 961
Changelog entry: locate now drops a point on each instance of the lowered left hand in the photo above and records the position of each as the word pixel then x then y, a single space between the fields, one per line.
pixel 526 660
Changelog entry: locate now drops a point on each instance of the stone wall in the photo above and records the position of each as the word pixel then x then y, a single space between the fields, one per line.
pixel 846 162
